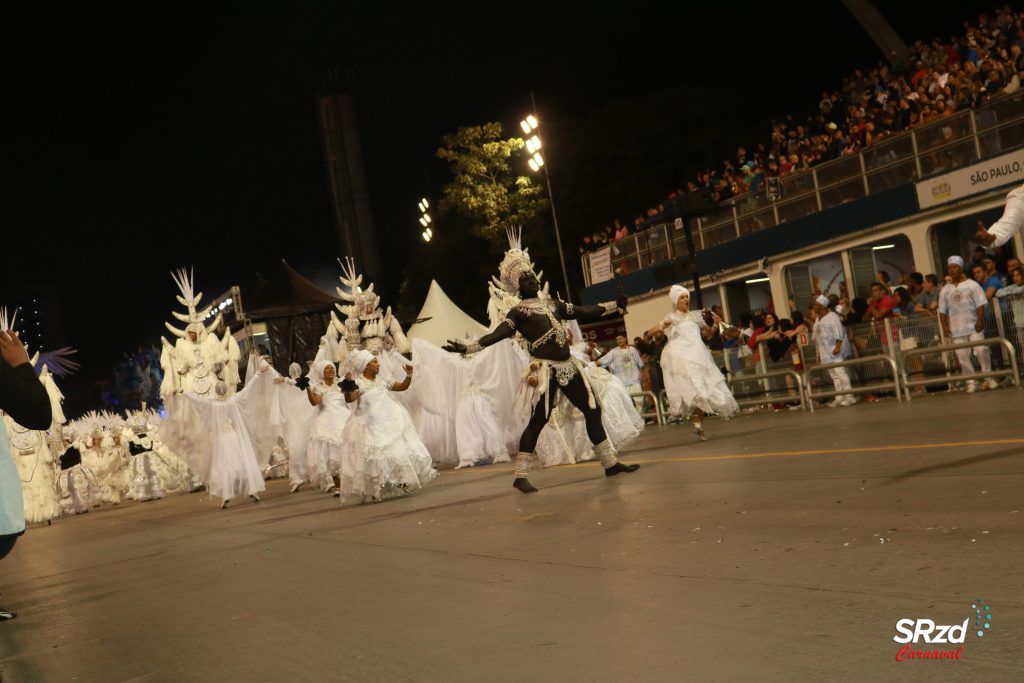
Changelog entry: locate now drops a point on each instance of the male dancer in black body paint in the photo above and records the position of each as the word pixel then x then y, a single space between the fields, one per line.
pixel 540 322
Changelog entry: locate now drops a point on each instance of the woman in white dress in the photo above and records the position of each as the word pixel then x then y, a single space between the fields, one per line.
pixel 382 455
pixel 694 384
pixel 106 464
pixel 35 467
pixel 151 475
pixel 323 452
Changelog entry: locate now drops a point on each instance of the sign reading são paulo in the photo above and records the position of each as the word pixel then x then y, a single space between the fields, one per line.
pixel 985 175
pixel 950 638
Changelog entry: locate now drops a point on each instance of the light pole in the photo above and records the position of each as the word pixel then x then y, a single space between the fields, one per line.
pixel 425 219
pixel 536 162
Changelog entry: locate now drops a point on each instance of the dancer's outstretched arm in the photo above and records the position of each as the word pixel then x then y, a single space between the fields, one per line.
pixel 503 331
pixel 570 311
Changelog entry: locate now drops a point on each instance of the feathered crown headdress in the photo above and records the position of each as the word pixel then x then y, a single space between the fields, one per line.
pixel 516 262
pixel 190 300
pixel 58 362
pixel 364 304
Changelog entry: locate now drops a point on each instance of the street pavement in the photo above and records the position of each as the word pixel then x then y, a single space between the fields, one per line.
pixel 785 548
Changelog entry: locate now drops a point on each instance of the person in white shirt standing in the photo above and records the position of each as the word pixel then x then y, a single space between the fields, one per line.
pixel 962 314
pixel 833 346
pixel 624 362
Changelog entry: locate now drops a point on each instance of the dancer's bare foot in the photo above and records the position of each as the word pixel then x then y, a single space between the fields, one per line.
pixel 524 485
pixel 698 428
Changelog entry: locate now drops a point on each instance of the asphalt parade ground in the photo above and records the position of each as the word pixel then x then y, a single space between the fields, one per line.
pixel 786 548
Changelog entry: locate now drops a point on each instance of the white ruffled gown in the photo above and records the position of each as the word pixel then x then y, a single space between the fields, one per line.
pixel 324 450
pixel 77 488
pixel 35 467
pixel 381 452
pixel 107 464
pixel 692 380
pixel 152 475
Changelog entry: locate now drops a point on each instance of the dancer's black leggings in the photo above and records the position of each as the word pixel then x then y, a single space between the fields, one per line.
pixel 7 544
pixel 576 392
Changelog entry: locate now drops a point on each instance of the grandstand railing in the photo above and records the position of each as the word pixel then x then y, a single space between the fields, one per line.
pixel 953 142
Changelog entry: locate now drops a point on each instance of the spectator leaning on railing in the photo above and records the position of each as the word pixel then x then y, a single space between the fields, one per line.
pixel 989 283
pixel 880 304
pixel 928 301
pixel 1013 294
pixel 962 315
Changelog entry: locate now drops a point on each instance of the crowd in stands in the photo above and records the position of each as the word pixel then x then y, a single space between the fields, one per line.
pixel 936 81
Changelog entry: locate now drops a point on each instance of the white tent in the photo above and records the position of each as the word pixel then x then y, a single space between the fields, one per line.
pixel 447 321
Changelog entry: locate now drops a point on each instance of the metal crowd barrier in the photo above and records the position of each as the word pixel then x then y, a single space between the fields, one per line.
pixel 733 379
pixel 657 412
pixel 1010 372
pixel 867 389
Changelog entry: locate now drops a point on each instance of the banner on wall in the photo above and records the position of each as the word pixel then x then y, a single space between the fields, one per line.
pixel 987 175
pixel 601 265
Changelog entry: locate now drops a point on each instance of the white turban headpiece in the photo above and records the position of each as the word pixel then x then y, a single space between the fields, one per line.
pixel 360 359
pixel 823 300
pixel 675 292
pixel 955 260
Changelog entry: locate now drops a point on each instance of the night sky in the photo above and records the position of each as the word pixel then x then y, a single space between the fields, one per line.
pixel 136 141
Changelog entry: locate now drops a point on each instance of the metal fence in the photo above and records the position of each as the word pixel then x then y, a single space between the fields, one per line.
pixel 889 356
pixel 953 142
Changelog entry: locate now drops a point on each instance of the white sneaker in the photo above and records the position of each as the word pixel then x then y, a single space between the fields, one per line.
pixel 296 487
pixel 991 383
pixel 848 401
pixel 972 387
pixel 834 402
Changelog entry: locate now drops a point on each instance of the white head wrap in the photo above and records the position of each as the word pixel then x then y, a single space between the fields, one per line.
pixel 316 373
pixel 822 299
pixel 360 359
pixel 295 371
pixel 675 292
pixel 955 260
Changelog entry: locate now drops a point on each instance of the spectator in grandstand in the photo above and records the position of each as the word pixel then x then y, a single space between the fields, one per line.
pixel 914 282
pixel 621 230
pixel 962 315
pixel 992 270
pixel 774 335
pixel 858 311
pixel 880 304
pixel 989 285
pixel 928 301
pixel 1011 298
pixel 903 305
pixel 883 277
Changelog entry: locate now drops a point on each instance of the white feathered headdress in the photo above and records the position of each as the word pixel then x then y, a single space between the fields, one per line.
pixel 190 300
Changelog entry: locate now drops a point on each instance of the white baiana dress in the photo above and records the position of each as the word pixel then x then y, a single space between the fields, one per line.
pixel 381 452
pixel 35 467
pixel 227 442
pixel 323 451
pixel 692 380
pixel 151 474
